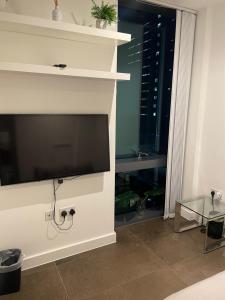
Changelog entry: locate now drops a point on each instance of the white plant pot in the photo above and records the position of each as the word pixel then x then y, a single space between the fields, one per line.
pixel 3 4
pixel 56 14
pixel 101 23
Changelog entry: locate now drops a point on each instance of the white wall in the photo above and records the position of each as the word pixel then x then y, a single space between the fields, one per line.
pixel 22 207
pixel 205 150
pixel 212 160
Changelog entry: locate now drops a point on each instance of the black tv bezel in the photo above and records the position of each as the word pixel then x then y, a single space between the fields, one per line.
pixel 67 176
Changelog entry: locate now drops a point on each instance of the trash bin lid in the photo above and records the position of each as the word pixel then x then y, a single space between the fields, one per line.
pixel 10 260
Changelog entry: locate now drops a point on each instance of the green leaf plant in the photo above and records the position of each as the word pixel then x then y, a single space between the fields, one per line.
pixel 105 11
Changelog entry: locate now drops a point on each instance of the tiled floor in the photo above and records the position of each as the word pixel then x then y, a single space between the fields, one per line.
pixel 149 262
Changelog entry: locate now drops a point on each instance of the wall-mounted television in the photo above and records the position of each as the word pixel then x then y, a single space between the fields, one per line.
pixel 41 147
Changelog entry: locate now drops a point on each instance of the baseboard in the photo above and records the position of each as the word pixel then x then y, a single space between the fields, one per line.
pixel 69 250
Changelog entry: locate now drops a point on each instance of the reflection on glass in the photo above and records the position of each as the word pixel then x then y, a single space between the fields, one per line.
pixel 143 106
pixel 140 195
pixel 143 103
pixel 39 147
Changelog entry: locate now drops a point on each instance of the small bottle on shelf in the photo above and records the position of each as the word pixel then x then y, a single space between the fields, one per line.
pixel 56 13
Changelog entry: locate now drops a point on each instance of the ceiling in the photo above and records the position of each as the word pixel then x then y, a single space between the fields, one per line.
pixel 192 4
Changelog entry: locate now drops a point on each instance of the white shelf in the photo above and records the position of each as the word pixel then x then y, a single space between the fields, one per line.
pixel 70 72
pixel 43 27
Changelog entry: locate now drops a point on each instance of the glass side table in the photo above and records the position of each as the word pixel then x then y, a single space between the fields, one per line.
pixel 207 214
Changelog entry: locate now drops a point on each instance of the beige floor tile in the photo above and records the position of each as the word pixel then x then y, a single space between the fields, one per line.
pixel 174 247
pixel 197 237
pixel 155 286
pixel 159 235
pixel 41 283
pixel 200 267
pixel 149 230
pixel 108 267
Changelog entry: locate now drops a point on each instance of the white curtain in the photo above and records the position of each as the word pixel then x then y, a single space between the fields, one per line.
pixel 185 34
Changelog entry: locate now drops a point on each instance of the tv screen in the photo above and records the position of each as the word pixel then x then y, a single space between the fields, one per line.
pixel 40 147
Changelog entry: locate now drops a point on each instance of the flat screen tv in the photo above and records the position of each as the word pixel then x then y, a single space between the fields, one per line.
pixel 41 147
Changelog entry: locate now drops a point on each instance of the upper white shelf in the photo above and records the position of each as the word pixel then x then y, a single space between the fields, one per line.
pixel 43 27
pixel 69 72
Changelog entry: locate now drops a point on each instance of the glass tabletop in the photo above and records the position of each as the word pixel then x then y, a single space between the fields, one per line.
pixel 204 207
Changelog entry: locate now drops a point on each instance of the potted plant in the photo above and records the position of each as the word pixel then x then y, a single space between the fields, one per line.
pixel 104 14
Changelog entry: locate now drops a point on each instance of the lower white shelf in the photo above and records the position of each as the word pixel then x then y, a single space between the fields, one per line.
pixel 70 72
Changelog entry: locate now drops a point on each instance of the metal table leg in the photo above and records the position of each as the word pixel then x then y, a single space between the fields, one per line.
pixel 179 221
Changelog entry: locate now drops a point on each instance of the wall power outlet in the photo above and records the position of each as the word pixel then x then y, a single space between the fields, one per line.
pixel 49 214
pixel 218 194
pixel 67 209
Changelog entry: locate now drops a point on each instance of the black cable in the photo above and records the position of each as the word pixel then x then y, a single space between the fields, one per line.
pixel 54 207
pixel 71 178
pixel 213 195
pixel 58 225
pixel 68 228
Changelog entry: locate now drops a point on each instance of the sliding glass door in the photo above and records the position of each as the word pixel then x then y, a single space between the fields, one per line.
pixel 143 110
